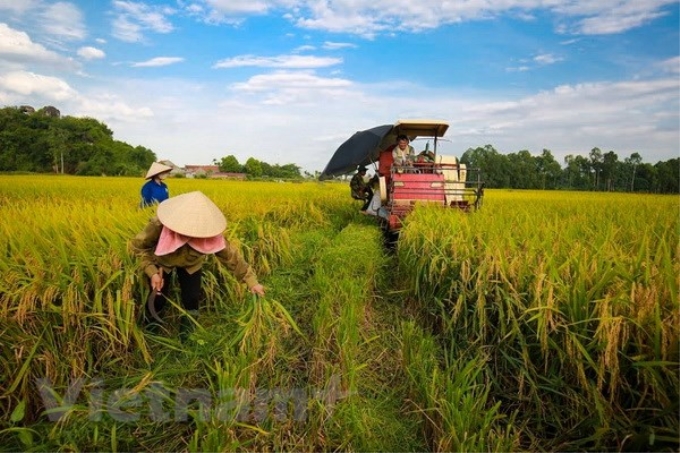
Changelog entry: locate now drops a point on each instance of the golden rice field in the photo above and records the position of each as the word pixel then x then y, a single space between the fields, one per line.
pixel 546 321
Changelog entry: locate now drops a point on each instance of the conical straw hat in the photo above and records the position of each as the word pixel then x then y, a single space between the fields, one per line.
pixel 156 168
pixel 192 214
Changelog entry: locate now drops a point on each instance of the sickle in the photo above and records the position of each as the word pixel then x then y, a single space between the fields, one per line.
pixel 151 306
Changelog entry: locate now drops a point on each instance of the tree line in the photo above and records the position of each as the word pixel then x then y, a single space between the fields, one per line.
pixel 599 171
pixel 255 168
pixel 42 141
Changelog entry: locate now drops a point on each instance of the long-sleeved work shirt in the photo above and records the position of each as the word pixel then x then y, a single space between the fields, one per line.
pixel 144 245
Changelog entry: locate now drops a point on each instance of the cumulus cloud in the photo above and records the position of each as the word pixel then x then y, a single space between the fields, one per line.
pixel 17 47
pixel 227 11
pixel 672 65
pixel 91 53
pixel 64 20
pixel 284 87
pixel 546 59
pixel 158 61
pixel 132 19
pixel 609 16
pixel 337 45
pixel 240 6
pixel 18 6
pixel 282 61
pixel 19 85
pixel 312 115
pixel 623 116
pixel 110 107
pixel 523 68
pixel 305 48
pixel 286 79
pixel 23 87
pixel 368 18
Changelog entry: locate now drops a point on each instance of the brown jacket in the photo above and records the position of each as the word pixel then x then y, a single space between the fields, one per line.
pixel 144 244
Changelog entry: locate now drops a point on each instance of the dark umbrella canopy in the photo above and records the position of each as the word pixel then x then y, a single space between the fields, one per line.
pixel 362 148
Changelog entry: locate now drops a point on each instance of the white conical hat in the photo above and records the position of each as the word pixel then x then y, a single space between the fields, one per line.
pixel 155 169
pixel 192 214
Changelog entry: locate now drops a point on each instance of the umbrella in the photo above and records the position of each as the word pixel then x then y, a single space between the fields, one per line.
pixel 362 148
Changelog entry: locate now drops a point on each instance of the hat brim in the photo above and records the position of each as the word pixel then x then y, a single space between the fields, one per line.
pixel 192 214
pixel 156 169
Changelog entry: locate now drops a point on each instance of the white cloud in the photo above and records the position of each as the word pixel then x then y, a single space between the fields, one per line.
pixel 301 118
pixel 546 59
pixel 292 88
pixel 610 16
pixel 623 117
pixel 305 48
pixel 132 19
pixel 158 61
pixel 368 18
pixel 17 47
pixel 231 7
pixel 337 45
pixel 285 79
pixel 672 65
pixel 18 6
pixel 615 23
pixel 518 69
pixel 63 20
pixel 282 61
pixel 91 53
pixel 110 107
pixel 17 86
pixel 126 30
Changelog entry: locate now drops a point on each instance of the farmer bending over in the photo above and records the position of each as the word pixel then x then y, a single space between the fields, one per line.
pixel 185 230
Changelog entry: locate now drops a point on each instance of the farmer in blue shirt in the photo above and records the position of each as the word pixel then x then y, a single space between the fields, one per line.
pixel 155 190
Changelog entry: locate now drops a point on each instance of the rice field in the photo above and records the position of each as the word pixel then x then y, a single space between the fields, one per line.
pixel 546 321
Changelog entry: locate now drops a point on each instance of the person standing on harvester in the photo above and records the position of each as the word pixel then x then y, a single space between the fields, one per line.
pixel 360 188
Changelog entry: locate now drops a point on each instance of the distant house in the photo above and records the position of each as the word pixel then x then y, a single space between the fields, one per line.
pixel 228 175
pixel 175 169
pixel 197 171
pixel 210 171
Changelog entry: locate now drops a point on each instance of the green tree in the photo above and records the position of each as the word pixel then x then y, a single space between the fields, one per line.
pixel 609 163
pixel 267 169
pixel 43 142
pixel 668 174
pixel 253 167
pixel 493 165
pixel 633 161
pixel 570 170
pixel 549 170
pixel 523 168
pixel 596 165
pixel 57 139
pixel 230 164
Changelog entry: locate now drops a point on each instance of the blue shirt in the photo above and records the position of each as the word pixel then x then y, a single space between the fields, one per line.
pixel 154 192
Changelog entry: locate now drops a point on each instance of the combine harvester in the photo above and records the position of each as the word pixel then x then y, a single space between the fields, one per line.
pixel 430 178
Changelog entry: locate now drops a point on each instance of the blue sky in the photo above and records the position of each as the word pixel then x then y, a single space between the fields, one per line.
pixel 286 81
